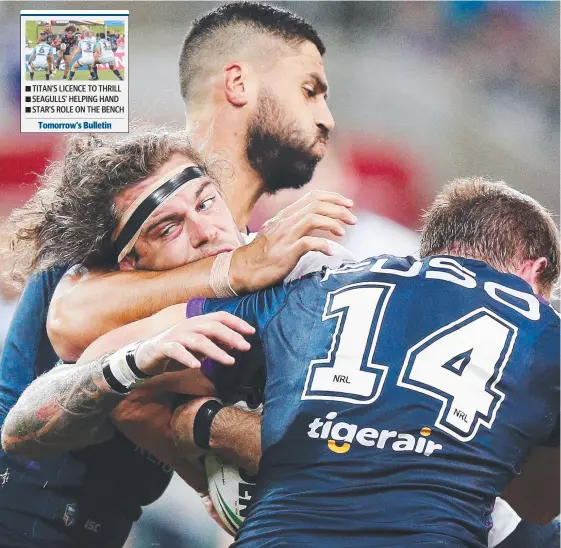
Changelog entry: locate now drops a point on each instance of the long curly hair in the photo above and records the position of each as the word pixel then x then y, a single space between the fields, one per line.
pixel 72 216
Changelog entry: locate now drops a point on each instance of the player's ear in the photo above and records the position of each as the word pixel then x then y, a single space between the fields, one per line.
pixel 530 271
pixel 235 83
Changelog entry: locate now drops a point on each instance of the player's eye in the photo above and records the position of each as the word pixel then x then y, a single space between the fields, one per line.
pixel 207 204
pixel 167 230
pixel 310 92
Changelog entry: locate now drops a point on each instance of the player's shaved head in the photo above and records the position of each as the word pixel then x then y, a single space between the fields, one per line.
pixel 250 31
pixel 488 220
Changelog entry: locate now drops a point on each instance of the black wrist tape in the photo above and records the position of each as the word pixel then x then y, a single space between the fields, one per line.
pixel 203 422
pixel 131 362
pixel 112 380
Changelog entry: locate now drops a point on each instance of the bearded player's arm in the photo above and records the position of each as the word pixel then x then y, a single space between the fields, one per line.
pixel 86 305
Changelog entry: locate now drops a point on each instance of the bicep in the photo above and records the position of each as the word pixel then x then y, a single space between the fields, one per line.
pixel 534 494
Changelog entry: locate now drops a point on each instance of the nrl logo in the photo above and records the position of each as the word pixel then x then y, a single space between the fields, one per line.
pixel 70 514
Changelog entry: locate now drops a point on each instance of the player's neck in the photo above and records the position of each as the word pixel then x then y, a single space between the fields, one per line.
pixel 243 191
pixel 242 186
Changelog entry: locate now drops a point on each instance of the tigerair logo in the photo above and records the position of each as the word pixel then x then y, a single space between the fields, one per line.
pixel 341 435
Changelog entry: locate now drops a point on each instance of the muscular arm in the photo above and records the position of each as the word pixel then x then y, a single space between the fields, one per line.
pixel 235 434
pixel 79 312
pixel 69 407
pixel 86 306
pixel 64 409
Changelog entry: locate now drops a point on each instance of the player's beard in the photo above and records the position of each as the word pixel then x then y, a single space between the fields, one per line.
pixel 276 148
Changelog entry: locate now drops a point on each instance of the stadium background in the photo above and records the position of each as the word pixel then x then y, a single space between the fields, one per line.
pixel 421 92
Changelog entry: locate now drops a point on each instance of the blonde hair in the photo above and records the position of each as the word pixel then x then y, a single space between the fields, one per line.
pixel 489 220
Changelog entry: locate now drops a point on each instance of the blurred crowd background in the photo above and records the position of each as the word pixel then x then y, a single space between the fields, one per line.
pixel 421 92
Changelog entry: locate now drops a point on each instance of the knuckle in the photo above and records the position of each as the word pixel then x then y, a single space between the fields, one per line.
pixel 306 244
pixel 309 218
pixel 316 206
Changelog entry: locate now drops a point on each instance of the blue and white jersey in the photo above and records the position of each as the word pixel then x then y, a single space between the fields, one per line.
pixel 87 45
pixel 106 54
pixel 42 50
pixel 401 397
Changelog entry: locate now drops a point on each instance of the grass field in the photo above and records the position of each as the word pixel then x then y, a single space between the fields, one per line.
pixel 79 76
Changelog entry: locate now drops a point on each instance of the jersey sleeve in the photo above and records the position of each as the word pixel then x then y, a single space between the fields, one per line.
pixel 245 380
pixel 257 309
pixel 27 351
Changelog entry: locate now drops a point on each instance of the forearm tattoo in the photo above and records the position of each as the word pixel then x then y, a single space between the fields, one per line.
pixel 67 408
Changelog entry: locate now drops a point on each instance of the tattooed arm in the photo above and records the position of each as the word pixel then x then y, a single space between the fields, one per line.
pixel 64 409
pixel 70 406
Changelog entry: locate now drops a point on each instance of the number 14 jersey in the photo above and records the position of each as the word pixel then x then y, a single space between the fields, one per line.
pixel 401 398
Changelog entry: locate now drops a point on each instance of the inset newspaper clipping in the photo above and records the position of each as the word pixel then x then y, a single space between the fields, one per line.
pixel 74 71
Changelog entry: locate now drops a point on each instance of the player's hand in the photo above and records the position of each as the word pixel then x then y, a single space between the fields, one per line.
pixel 191 339
pixel 209 507
pixel 285 238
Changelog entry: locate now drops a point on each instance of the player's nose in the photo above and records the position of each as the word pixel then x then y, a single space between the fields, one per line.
pixel 324 118
pixel 201 232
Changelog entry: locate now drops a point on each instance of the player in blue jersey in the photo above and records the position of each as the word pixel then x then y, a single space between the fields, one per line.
pixel 429 449
pixel 82 319
pixel 69 473
pixel 403 396
pixel 470 392
pixel 103 54
pixel 401 428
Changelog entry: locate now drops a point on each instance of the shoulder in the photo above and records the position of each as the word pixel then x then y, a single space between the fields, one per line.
pixel 314 261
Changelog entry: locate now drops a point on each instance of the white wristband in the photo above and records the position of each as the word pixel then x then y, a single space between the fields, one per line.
pixel 121 369
pixel 220 276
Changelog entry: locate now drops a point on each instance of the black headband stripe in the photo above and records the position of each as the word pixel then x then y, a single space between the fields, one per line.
pixel 149 205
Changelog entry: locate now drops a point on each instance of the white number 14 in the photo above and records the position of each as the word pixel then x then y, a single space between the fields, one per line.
pixel 459 364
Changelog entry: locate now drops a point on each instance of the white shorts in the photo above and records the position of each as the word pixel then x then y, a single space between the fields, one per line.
pixel 86 61
pixel 40 64
pixel 108 59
